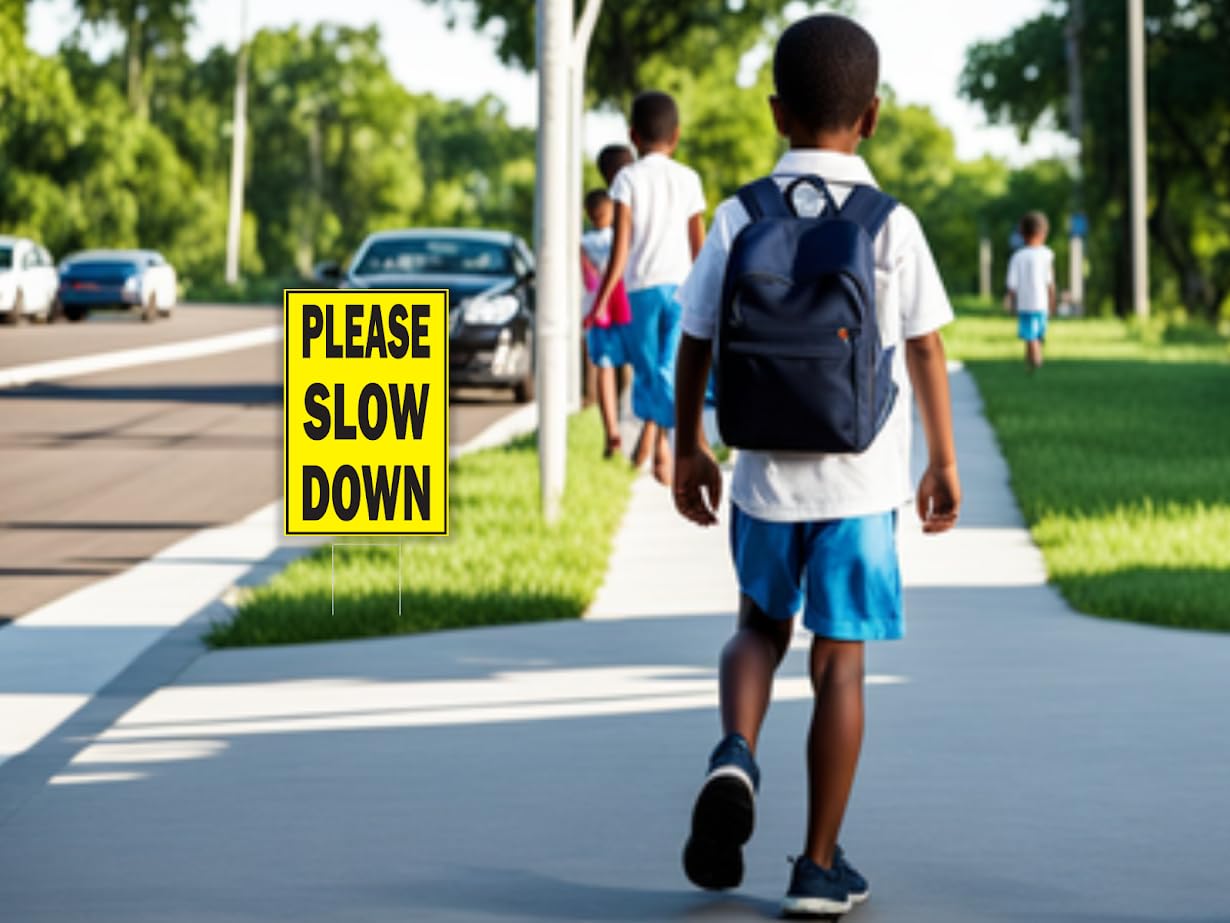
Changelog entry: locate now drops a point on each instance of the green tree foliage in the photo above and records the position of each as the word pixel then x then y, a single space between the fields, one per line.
pixel 632 36
pixel 149 27
pixel 914 157
pixel 1021 80
pixel 337 148
pixel 479 170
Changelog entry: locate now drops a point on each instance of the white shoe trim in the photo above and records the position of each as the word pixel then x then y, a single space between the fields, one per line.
pixel 815 905
pixel 730 769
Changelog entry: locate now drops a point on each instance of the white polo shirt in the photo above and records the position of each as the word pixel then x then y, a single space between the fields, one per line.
pixel 910 302
pixel 1031 273
pixel 662 195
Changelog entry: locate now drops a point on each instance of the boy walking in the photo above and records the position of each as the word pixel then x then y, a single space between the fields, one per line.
pixel 659 229
pixel 808 530
pixel 1031 286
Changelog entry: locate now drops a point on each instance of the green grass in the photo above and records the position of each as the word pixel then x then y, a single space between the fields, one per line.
pixel 500 565
pixel 250 290
pixel 1120 456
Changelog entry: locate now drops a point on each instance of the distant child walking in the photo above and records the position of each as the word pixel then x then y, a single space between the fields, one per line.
pixel 811 529
pixel 604 342
pixel 659 229
pixel 1031 286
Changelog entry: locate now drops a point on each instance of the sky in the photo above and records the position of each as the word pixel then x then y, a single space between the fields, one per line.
pixel 922 48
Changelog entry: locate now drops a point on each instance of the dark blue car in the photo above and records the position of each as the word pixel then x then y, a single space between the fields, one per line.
pixel 132 279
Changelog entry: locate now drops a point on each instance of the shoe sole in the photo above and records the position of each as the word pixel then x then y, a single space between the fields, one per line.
pixel 815 906
pixel 722 821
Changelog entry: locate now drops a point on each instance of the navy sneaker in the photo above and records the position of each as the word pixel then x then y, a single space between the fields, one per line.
pixel 723 817
pixel 815 892
pixel 856 884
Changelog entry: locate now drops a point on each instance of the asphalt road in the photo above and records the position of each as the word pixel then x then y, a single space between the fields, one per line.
pixel 97 472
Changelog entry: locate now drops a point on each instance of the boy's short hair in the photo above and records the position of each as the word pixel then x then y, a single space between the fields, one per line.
pixel 1033 224
pixel 655 117
pixel 595 199
pixel 826 69
pixel 612 159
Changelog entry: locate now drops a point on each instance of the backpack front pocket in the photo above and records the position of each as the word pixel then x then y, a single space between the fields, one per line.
pixel 811 388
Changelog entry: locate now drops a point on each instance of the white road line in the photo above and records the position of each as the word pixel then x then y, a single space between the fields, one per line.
pixel 19 375
pixel 53 660
pixel 507 428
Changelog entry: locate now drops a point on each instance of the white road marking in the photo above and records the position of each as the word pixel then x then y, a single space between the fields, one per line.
pixel 53 660
pixel 507 428
pixel 19 375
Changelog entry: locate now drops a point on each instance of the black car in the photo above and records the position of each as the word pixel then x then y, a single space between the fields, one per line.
pixel 490 279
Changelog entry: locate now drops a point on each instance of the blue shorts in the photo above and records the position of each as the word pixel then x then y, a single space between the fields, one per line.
pixel 844 571
pixel 1031 325
pixel 650 342
pixel 605 346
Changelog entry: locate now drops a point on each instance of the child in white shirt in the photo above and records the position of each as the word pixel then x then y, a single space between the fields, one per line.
pixel 1031 286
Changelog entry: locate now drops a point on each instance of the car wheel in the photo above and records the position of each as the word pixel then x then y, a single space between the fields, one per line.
pixel 75 312
pixel 17 314
pixel 523 391
pixel 55 310
pixel 149 313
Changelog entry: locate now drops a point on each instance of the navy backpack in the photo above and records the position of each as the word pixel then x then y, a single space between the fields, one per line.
pixel 799 362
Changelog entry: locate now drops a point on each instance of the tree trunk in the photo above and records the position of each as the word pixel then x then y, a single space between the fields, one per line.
pixel 138 101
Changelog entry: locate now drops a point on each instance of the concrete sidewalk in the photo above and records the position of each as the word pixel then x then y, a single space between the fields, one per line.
pixel 1021 761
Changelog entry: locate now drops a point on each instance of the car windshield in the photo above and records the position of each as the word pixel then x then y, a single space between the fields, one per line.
pixel 435 255
pixel 6 257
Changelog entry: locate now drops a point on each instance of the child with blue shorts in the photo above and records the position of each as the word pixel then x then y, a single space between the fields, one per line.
pixel 1031 286
pixel 603 342
pixel 813 532
pixel 659 229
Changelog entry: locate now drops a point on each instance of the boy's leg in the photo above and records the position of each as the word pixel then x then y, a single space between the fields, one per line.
pixel 853 594
pixel 645 442
pixel 662 460
pixel 639 341
pixel 749 660
pixel 607 407
pixel 835 741
pixel 666 346
pixel 723 816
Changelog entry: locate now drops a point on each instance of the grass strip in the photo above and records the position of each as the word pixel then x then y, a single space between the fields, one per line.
pixel 500 565
pixel 1119 449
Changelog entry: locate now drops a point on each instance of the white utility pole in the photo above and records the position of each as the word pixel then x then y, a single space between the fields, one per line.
pixel 1076 128
pixel 580 54
pixel 239 133
pixel 1136 94
pixel 554 41
pixel 984 268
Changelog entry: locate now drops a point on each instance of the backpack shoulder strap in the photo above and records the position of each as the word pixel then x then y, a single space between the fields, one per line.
pixel 869 208
pixel 762 199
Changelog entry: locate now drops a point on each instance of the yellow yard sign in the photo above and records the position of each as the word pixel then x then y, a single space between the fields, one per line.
pixel 365 412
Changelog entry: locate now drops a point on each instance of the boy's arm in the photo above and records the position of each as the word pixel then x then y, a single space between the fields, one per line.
pixel 698 480
pixel 1010 301
pixel 696 234
pixel 939 491
pixel 1052 300
pixel 622 240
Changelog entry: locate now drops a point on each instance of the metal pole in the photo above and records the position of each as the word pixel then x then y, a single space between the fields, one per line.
pixel 1076 274
pixel 234 222
pixel 984 268
pixel 554 53
pixel 580 53
pixel 1136 88
pixel 575 151
pixel 1076 128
